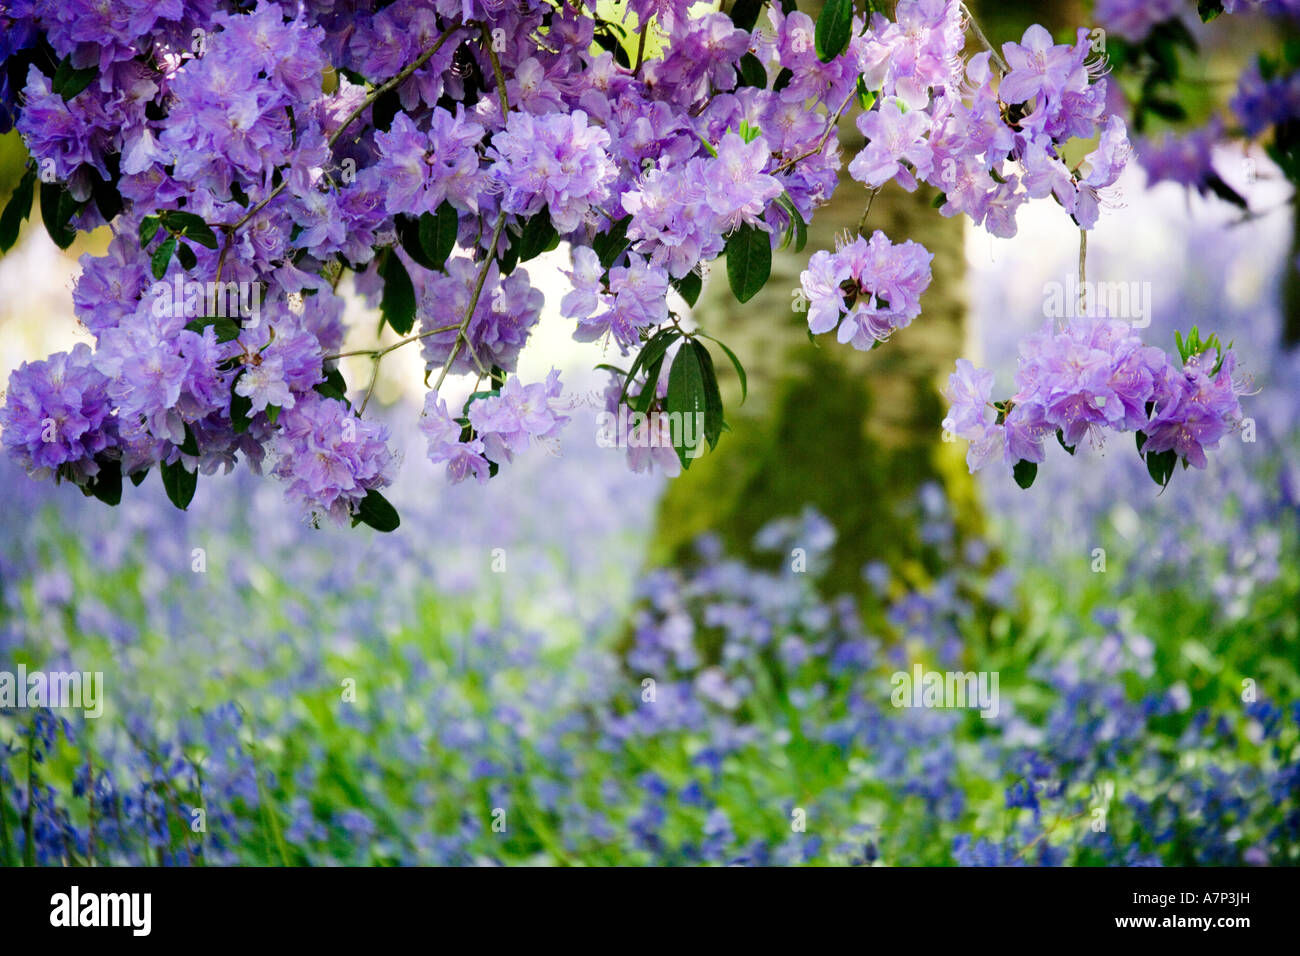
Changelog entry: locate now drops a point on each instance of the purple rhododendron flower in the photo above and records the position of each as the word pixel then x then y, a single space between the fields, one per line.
pixel 57 415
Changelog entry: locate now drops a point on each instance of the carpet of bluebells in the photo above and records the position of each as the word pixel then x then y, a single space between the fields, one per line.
pixel 480 692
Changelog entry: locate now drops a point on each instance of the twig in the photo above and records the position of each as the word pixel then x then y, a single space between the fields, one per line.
pixel 984 41
pixel 831 127
pixel 376 93
pixel 1083 271
pixel 473 303
pixel 871 198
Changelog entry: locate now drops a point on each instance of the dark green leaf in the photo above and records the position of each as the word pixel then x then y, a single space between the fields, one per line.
pixel 834 29
pixel 107 485
pixel 744 13
pixel 1060 437
pixel 438 234
pixel 1166 109
pixel 334 386
pixel 1160 466
pixel 740 369
pixel 179 484
pixel 375 511
pixel 749 261
pixel 68 82
pixel 137 478
pixel 227 329
pixel 646 398
pixel 1209 9
pixel 689 286
pixel 57 208
pixel 1025 472
pixel 185 255
pixel 397 304
pixel 17 209
pixel 149 227
pixel 190 446
pixel 712 396
pixel 610 245
pixel 652 351
pixel 752 72
pixel 686 398
pixel 161 257
pixel 241 412
pixel 538 234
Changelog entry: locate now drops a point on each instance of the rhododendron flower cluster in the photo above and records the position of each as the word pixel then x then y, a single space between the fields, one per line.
pixel 866 289
pixel 1092 376
pixel 424 151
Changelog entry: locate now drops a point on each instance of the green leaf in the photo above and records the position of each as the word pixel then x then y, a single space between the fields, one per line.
pixel 18 208
pixel 740 369
pixel 686 395
pixel 1209 9
pixel 713 423
pixel 438 234
pixel 646 398
pixel 334 386
pixel 241 412
pixel 752 72
pixel 397 304
pixel 749 261
pixel 185 255
pixel 798 229
pixel 179 484
pixel 539 232
pixel 834 29
pixel 107 485
pixel 375 511
pixel 744 13
pixel 689 286
pixel 610 245
pixel 191 444
pixel 1166 109
pixel 149 227
pixel 161 257
pixel 137 478
pixel 68 81
pixel 652 351
pixel 1025 472
pixel 227 329
pixel 1160 466
pixel 57 209
pixel 1060 437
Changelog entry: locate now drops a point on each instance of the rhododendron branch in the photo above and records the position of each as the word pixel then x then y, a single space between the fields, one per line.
pixel 974 26
pixel 365 104
pixel 496 68
pixel 396 345
pixel 831 127
pixel 473 304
